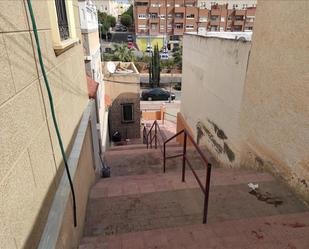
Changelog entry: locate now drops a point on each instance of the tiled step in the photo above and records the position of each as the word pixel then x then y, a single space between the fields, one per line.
pixel 136 146
pixel 148 161
pixel 135 203
pixel 139 184
pixel 270 232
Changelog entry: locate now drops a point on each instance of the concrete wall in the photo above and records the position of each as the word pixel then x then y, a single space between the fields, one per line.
pixel 275 108
pixel 31 162
pixel 214 72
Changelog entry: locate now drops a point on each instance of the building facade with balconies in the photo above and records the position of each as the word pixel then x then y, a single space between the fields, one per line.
pixel 172 18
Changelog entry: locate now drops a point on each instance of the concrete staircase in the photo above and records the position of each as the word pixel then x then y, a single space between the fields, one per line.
pixel 140 207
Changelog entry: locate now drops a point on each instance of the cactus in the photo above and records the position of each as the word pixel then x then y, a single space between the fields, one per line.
pixel 154 68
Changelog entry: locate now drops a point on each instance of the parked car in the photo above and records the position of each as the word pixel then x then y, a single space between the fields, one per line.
pixel 130 45
pixel 124 29
pixel 118 28
pixel 130 38
pixel 148 49
pixel 157 94
pixel 164 56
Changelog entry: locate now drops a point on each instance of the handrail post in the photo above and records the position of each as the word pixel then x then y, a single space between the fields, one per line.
pixel 164 159
pixel 207 185
pixel 184 156
pixel 150 132
pixel 156 137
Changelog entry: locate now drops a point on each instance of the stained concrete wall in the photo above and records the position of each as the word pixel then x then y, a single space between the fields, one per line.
pixel 31 162
pixel 275 108
pixel 214 72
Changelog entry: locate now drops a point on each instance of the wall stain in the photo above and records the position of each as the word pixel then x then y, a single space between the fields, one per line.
pixel 200 126
pixel 200 134
pixel 219 132
pixel 259 161
pixel 303 181
pixel 230 154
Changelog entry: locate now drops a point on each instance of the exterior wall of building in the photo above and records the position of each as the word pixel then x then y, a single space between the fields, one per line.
pixel 123 88
pixel 108 6
pixel 214 72
pixel 173 18
pixel 92 53
pixel 31 162
pixel 275 109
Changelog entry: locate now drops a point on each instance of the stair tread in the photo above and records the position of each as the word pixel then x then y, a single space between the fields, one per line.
pixel 280 231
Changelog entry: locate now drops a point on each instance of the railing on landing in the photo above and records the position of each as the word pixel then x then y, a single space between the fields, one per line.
pixel 148 139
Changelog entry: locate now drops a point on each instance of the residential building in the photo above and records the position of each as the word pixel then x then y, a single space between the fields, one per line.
pixel 35 196
pixel 92 57
pixel 234 4
pixel 108 6
pixel 173 18
pixel 247 101
pixel 123 90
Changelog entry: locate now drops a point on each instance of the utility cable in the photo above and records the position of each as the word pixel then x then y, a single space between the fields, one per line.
pixel 51 103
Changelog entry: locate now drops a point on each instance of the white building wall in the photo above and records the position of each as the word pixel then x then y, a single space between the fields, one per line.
pixel 213 79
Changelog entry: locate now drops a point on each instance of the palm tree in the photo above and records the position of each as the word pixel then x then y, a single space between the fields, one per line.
pixel 123 53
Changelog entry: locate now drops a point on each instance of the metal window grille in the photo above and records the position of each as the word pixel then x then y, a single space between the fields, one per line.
pixel 62 19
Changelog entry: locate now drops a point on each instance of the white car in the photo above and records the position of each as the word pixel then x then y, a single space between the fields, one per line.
pixel 164 56
pixel 149 49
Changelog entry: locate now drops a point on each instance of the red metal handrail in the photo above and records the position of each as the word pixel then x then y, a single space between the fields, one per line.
pixel 149 138
pixel 185 160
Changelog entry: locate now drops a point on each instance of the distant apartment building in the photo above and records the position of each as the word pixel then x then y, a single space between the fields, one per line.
pixel 172 18
pixel 108 6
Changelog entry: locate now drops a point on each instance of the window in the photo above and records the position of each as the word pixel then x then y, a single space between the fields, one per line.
pixel 177 5
pixel 179 26
pixel 63 26
pixel 190 16
pixel 189 27
pixel 235 6
pixel 153 26
pixel 162 27
pixel 141 16
pixel 222 19
pixel 62 19
pixel 169 26
pixel 169 16
pixel 245 6
pixel 142 26
pixel 127 113
pixel 213 18
pixel 162 16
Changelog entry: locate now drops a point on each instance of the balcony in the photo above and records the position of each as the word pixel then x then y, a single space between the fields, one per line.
pixel 154 9
pixel 239 22
pixel 180 9
pixel 203 19
pixel 240 12
pixel 154 19
pixel 215 12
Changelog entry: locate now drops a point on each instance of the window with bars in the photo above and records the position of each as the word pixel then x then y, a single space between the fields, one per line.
pixel 62 19
pixel 127 113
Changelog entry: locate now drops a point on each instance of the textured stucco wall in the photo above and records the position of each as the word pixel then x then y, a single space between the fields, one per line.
pixel 275 108
pixel 214 72
pixel 31 162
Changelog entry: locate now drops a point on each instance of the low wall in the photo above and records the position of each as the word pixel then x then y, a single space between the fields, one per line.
pixel 164 78
pixel 59 231
pixel 181 125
